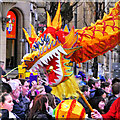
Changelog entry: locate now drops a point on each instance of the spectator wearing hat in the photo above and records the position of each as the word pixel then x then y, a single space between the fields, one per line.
pixel 102 79
pixel 83 77
pixel 17 107
pixel 82 74
pixel 81 81
pixel 93 83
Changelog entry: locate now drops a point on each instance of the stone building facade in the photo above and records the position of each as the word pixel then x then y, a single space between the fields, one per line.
pixel 13 49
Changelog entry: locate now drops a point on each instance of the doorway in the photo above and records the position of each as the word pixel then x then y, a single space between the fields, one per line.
pixel 11 53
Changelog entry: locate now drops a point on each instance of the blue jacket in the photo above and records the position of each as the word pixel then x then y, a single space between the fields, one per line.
pixel 25 102
pixel 18 110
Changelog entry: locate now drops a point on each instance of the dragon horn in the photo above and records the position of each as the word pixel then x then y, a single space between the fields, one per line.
pixel 70 39
pixel 26 35
pixel 33 33
pixel 66 28
pixel 56 18
pixel 48 20
pixel 60 22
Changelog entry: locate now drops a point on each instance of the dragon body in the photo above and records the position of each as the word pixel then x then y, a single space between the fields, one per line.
pixel 56 47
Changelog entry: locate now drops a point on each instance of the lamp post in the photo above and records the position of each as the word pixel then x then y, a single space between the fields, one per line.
pixel 4 21
pixel 75 23
pixel 95 63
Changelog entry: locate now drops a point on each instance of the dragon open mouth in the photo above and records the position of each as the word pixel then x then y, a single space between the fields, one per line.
pixel 51 59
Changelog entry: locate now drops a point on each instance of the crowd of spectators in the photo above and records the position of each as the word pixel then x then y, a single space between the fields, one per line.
pixel 24 101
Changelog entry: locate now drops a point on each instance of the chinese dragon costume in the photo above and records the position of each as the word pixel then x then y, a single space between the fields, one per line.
pixel 56 47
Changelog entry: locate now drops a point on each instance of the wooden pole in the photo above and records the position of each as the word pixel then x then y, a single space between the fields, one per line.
pixel 83 97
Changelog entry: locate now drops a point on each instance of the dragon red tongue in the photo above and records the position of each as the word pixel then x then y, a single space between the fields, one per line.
pixel 52 76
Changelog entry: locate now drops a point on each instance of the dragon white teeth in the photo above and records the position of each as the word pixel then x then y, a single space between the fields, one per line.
pixel 48 58
pixel 51 56
pixel 60 73
pixel 54 54
pixel 57 56
pixel 36 68
pixel 40 64
pixel 58 65
pixel 44 62
pixel 60 77
pixel 58 69
pixel 57 81
pixel 61 50
pixel 56 72
pixel 58 61
pixel 32 70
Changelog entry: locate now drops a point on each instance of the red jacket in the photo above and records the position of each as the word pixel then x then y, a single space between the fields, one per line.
pixel 114 112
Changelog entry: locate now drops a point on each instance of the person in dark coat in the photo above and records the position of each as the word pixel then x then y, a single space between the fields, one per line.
pixel 98 103
pixel 23 99
pixel 39 109
pixel 114 96
pixel 93 83
pixel 100 92
pixel 18 110
pixel 86 91
pixel 112 114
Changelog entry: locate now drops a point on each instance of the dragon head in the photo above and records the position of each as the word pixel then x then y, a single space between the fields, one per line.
pixel 52 50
